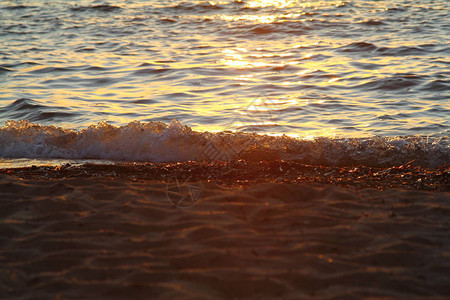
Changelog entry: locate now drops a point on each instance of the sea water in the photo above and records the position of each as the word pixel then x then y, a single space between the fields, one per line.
pixel 316 81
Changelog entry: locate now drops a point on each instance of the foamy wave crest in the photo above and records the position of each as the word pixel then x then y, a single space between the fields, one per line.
pixel 154 141
pixel 160 142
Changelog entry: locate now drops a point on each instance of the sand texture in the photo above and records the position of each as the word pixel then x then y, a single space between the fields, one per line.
pixel 246 173
pixel 99 238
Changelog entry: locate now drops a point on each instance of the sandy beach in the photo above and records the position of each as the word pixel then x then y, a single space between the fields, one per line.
pixel 115 238
pixel 224 149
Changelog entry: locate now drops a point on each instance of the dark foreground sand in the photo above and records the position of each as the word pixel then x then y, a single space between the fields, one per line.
pixel 100 238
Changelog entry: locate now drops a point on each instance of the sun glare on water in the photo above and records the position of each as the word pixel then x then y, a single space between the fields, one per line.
pixel 266 3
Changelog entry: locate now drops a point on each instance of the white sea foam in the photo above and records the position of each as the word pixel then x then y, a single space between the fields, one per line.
pixel 173 142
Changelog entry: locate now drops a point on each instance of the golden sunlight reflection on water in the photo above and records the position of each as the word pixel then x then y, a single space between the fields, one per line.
pixel 318 67
pixel 261 58
pixel 253 56
pixel 275 3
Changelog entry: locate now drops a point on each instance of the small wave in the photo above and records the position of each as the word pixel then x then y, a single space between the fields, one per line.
pixel 251 30
pixel 315 57
pixel 168 20
pixel 437 85
pixel 161 142
pixel 21 104
pixel 372 23
pixel 30 63
pixel 46 70
pixel 395 9
pixel 396 82
pixel 151 71
pixel 268 30
pixel 367 66
pixel 358 47
pixel 202 7
pixel 33 110
pixel 402 51
pixel 17 27
pixel 5 70
pixel 365 47
pixel 318 74
pixel 18 7
pixel 85 49
pixel 262 29
pixel 101 7
pixel 95 68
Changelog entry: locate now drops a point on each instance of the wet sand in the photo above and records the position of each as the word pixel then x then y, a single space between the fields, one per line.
pixel 98 236
pixel 241 173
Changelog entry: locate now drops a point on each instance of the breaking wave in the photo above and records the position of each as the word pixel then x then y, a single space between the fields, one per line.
pixel 175 142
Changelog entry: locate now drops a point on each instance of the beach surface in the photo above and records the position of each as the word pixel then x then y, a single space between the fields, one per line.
pixel 100 236
pixel 232 149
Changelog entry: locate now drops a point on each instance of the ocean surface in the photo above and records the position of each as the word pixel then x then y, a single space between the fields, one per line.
pixel 328 82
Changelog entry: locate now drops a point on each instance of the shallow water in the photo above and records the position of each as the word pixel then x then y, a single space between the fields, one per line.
pixel 308 69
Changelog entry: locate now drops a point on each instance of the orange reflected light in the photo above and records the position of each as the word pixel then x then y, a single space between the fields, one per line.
pixel 266 3
pixel 267 55
pixel 291 83
pixel 333 79
pixel 306 71
pixel 266 123
pixel 264 19
pixel 305 45
pixel 244 78
pixel 236 60
pixel 259 19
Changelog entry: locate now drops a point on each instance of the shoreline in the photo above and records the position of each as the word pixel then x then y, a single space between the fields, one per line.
pixel 245 173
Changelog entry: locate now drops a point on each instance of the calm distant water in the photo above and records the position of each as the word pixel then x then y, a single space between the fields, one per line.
pixel 302 68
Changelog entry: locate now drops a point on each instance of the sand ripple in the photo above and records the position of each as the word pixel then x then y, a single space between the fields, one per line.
pixel 98 238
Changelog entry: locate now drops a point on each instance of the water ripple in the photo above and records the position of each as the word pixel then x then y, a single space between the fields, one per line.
pixel 348 68
pixel 101 8
pixel 34 111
